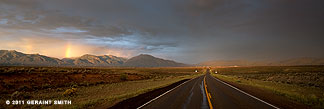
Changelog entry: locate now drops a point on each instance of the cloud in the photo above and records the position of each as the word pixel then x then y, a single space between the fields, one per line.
pixel 68 30
pixel 29 15
pixel 185 30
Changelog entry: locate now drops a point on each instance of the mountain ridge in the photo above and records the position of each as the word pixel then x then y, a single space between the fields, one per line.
pixel 145 60
pixel 12 57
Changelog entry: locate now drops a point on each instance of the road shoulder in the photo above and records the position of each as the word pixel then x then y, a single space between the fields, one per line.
pixel 267 95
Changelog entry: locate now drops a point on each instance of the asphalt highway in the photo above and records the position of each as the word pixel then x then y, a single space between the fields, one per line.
pixel 206 92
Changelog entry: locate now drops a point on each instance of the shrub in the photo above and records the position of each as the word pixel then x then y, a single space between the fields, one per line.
pixel 46 86
pixel 16 94
pixel 19 95
pixel 23 88
pixel 123 77
pixel 74 85
pixel 70 92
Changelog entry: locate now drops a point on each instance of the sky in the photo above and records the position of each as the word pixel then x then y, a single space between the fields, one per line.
pixel 188 31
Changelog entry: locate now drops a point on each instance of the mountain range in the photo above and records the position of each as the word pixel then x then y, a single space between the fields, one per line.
pixel 15 58
pixel 12 57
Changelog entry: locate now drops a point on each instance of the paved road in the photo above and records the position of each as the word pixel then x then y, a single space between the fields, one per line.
pixel 219 95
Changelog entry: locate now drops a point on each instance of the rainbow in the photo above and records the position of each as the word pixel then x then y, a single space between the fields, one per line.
pixel 68 51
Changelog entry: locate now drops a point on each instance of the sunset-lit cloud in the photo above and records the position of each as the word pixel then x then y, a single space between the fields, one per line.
pixel 47 44
pixel 57 47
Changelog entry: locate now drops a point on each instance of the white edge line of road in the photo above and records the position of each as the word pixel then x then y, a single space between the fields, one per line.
pixel 245 93
pixel 164 93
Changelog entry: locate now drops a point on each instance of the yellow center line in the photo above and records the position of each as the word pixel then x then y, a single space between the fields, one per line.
pixel 207 94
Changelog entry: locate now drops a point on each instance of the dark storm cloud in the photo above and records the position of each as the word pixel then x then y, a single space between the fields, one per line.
pixel 24 14
pixel 185 30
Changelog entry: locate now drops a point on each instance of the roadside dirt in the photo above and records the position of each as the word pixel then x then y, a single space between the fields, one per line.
pixel 139 100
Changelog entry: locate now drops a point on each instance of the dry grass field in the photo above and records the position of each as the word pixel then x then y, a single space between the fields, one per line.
pixel 85 87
